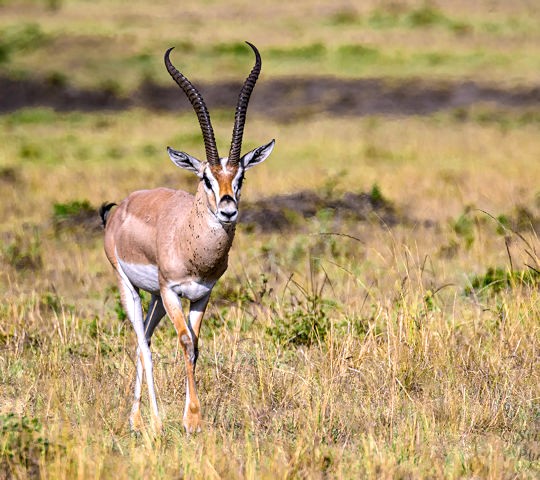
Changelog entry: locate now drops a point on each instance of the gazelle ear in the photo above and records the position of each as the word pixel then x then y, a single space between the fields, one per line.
pixel 183 160
pixel 260 154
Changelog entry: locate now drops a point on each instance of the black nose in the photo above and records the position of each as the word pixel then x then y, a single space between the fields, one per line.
pixel 227 207
pixel 228 213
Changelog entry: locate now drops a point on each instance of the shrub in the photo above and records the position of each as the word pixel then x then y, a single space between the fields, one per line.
pixel 464 227
pixel 346 16
pixel 75 213
pixel 23 251
pixel 234 48
pixel 307 317
pixel 19 38
pixel 498 279
pixel 306 324
pixel 425 16
pixel 21 443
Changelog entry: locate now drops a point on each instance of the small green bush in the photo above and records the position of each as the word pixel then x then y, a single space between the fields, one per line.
pixel 73 214
pixel 303 324
pixel 235 48
pixel 311 51
pixel 377 196
pixel 23 251
pixel 346 16
pixel 498 279
pixel 21 443
pixel 23 37
pixel 63 210
pixel 425 16
pixel 359 52
pixel 464 227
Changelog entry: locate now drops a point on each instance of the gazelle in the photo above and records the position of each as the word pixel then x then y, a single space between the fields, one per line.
pixel 175 245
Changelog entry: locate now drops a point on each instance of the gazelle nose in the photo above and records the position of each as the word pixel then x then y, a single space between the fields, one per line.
pixel 227 209
pixel 229 213
pixel 227 216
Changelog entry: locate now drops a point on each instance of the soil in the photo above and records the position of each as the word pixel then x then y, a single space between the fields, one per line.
pixel 281 212
pixel 286 99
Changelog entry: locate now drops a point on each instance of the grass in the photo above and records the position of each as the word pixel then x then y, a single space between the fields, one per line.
pixel 122 49
pixel 371 354
pixel 335 348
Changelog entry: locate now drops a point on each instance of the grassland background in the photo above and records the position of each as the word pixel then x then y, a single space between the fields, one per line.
pixel 426 359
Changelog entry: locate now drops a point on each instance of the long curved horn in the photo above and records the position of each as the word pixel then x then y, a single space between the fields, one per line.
pixel 200 109
pixel 241 108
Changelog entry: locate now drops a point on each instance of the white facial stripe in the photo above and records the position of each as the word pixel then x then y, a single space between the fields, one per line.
pixel 236 181
pixel 224 161
pixel 214 183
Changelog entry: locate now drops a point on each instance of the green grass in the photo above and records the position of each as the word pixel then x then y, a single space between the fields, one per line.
pixel 337 348
pixel 20 38
pixel 122 49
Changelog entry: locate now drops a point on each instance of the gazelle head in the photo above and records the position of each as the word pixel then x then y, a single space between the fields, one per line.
pixel 221 177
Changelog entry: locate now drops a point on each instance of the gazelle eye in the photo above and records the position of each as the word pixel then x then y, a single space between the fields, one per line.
pixel 207 182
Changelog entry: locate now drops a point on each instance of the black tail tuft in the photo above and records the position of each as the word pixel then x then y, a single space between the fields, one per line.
pixel 104 212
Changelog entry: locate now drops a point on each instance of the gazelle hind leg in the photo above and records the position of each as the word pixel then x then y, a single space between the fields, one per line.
pixel 156 312
pixel 132 304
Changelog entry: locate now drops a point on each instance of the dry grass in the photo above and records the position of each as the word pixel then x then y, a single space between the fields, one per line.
pixel 410 376
pixel 334 349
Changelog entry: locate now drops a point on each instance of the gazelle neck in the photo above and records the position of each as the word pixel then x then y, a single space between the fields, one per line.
pixel 209 240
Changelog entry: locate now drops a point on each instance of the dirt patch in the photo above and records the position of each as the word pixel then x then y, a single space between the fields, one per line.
pixel 9 175
pixel 290 99
pixel 17 94
pixel 282 212
pixel 286 98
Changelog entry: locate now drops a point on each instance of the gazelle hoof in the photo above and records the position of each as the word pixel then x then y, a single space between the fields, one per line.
pixel 191 429
pixel 157 425
pixel 193 423
pixel 135 421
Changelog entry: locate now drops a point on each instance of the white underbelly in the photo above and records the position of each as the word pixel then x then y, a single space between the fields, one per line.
pixel 193 290
pixel 142 276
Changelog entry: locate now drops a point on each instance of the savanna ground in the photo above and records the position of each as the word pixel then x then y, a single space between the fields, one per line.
pixel 383 324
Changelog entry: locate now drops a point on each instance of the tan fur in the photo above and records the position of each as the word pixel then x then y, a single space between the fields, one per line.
pixel 169 229
pixel 176 245
pixel 178 234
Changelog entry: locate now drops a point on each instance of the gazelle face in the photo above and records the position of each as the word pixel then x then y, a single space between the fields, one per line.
pixel 222 186
pixel 222 182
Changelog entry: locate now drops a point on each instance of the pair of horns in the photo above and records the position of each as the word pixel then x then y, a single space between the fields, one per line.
pixel 204 117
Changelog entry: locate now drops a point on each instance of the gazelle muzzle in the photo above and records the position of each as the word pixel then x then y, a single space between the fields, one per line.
pixel 227 211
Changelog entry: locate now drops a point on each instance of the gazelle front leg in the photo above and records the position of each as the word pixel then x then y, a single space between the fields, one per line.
pixel 186 335
pixel 196 314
